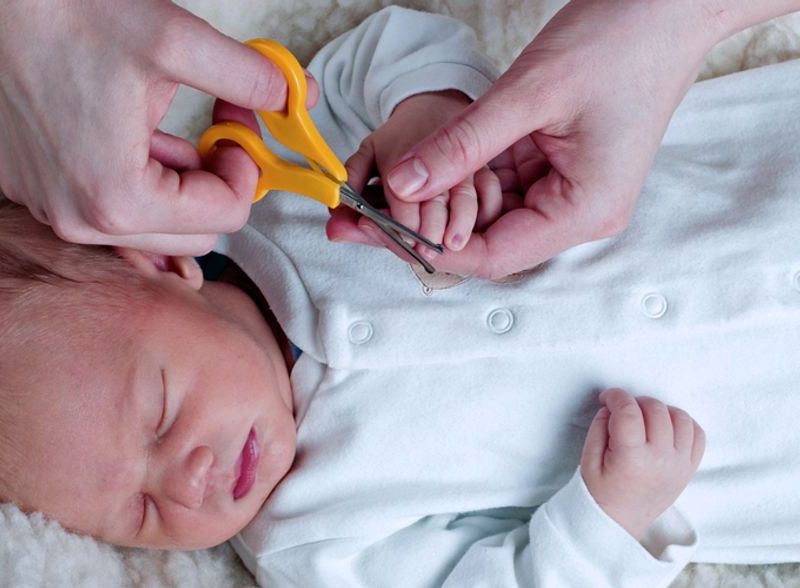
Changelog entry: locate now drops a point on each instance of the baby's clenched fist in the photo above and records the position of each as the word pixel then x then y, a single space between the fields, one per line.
pixel 638 457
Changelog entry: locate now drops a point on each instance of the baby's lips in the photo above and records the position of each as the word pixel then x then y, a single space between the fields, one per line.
pixel 248 466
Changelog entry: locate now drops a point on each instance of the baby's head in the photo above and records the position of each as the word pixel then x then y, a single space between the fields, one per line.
pixel 137 404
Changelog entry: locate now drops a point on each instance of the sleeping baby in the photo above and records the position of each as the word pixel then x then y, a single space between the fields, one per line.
pixel 429 436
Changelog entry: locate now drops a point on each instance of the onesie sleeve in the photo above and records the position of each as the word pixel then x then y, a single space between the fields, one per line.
pixel 394 54
pixel 573 538
pixel 569 541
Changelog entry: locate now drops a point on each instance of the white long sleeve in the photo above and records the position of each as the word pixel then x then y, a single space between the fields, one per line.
pixel 569 542
pixel 392 55
pixel 402 541
pixel 574 543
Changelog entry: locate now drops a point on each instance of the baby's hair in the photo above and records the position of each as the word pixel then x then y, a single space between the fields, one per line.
pixel 31 256
pixel 45 283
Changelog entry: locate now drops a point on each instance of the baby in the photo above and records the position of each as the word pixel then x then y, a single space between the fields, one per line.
pixel 426 436
pixel 149 408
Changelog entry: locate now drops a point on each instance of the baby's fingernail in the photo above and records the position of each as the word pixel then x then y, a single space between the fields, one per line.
pixel 408 177
pixel 456 242
pixel 428 254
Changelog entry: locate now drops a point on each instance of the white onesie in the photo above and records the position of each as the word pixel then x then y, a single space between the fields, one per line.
pixel 439 431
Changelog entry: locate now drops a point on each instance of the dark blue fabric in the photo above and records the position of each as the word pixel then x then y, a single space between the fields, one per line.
pixel 213 265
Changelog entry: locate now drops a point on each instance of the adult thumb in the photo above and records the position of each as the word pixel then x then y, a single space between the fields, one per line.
pixel 463 145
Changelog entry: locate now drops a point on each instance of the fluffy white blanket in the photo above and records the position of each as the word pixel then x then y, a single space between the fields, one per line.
pixel 36 552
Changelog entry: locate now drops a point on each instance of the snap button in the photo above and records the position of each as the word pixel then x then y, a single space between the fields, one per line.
pixel 796 281
pixel 654 305
pixel 500 321
pixel 360 332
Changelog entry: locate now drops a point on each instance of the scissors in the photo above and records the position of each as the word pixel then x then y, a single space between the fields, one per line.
pixel 325 178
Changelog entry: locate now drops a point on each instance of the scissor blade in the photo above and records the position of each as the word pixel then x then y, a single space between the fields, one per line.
pixel 352 199
pixel 357 202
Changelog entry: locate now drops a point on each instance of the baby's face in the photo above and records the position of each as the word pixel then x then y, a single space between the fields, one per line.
pixel 165 424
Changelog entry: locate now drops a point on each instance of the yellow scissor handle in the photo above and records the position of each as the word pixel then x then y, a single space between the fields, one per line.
pixel 294 129
pixel 276 173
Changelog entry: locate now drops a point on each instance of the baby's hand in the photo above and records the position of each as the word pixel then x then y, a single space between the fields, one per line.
pixel 449 218
pixel 638 457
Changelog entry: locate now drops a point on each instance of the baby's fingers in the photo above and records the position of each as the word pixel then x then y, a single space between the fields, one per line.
pixel 490 197
pixel 625 424
pixel 594 448
pixel 658 424
pixel 432 222
pixel 690 439
pixel 361 165
pixel 343 226
pixel 463 213
pixel 379 238
pixel 683 427
pixel 699 445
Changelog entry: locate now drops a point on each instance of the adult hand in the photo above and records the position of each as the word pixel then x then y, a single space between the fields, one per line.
pixel 83 87
pixel 578 118
pixel 475 202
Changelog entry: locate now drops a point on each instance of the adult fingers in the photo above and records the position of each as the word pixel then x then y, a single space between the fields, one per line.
pixel 192 52
pixel 467 142
pixel 520 239
pixel 174 152
pixel 626 427
pixel 228 161
pixel 466 262
pixel 190 202
pixel 225 111
pixel 176 197
pixel 160 243
pixel 552 219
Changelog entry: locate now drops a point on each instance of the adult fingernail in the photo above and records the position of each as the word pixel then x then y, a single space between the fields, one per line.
pixel 408 177
pixel 456 242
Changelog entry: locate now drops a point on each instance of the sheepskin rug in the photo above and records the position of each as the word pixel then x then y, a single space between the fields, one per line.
pixel 37 552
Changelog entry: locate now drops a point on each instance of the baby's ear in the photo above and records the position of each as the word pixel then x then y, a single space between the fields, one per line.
pixel 153 265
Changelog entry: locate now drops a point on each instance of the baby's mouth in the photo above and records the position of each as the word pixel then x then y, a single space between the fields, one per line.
pixel 248 466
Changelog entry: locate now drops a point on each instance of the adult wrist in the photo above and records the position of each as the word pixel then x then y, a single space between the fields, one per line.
pixel 724 18
pixel 698 25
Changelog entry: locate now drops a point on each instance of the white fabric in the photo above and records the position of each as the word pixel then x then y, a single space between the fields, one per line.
pixel 419 418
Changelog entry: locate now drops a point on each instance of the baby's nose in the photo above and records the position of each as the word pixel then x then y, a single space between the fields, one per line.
pixel 186 482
